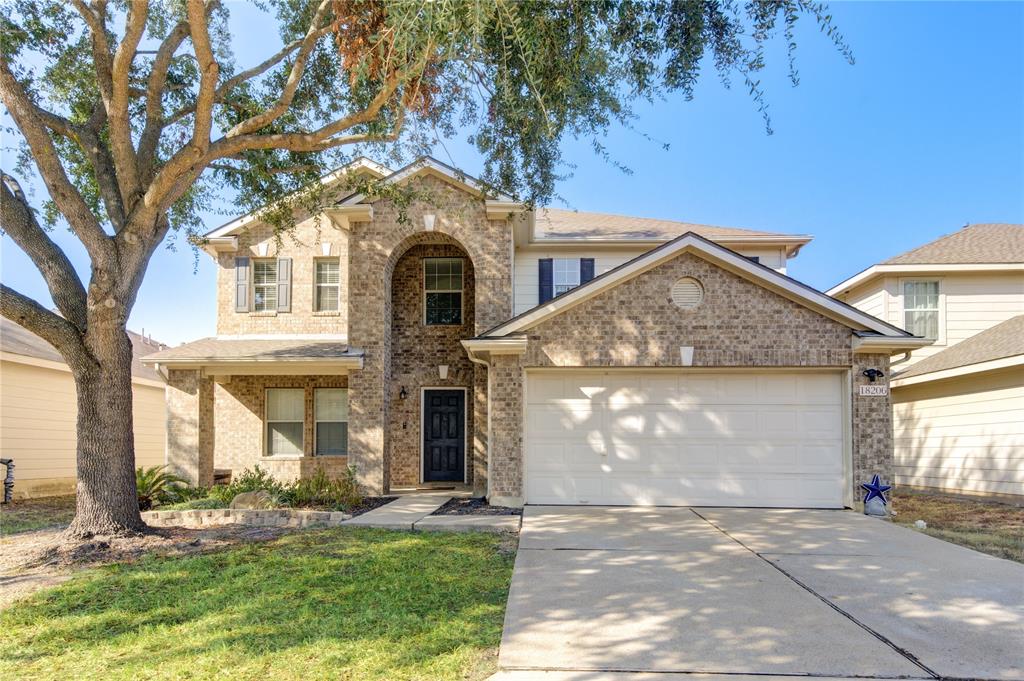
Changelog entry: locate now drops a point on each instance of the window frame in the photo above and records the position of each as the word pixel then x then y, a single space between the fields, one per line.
pixel 461 290
pixel 274 286
pixel 317 422
pixel 940 308
pixel 554 276
pixel 267 422
pixel 317 285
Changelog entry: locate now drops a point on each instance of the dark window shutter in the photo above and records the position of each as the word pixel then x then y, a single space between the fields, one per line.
pixel 284 284
pixel 241 284
pixel 586 270
pixel 545 270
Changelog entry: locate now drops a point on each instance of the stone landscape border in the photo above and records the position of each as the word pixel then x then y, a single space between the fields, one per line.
pixel 277 517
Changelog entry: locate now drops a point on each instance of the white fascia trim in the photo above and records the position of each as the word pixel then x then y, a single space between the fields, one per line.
pixel 717 254
pixel 241 365
pixel 501 210
pixel 937 268
pixel 333 337
pixel 888 344
pixel 361 163
pixel 430 165
pixel 60 366
pixel 515 345
pixel 991 365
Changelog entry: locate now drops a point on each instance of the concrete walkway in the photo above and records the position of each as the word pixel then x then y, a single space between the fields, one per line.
pixel 403 512
pixel 598 592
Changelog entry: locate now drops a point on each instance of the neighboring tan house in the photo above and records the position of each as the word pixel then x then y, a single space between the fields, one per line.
pixel 959 403
pixel 536 357
pixel 38 409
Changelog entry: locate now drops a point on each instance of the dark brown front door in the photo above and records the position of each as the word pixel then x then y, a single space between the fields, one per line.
pixel 444 435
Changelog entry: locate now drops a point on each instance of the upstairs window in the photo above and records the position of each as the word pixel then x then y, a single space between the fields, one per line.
pixel 442 286
pixel 328 286
pixel 921 308
pixel 331 421
pixel 264 277
pixel 285 417
pixel 566 275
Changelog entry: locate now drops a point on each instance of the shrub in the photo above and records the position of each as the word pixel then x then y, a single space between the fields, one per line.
pixel 250 480
pixel 156 486
pixel 195 504
pixel 320 491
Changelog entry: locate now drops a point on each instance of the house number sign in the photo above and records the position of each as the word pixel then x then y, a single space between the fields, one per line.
pixel 874 390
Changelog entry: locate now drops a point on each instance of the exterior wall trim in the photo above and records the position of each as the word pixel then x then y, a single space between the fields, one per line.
pixel 717 255
pixel 912 269
pixel 465 426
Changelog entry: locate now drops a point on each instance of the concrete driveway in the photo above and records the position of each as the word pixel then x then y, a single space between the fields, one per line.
pixel 754 591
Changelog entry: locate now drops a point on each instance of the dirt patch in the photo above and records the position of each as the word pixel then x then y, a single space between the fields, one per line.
pixel 474 506
pixel 35 560
pixel 34 514
pixel 988 526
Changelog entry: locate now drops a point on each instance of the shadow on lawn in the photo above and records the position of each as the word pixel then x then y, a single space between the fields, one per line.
pixel 367 603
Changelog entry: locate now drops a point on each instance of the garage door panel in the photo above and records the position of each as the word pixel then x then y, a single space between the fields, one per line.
pixel 685 439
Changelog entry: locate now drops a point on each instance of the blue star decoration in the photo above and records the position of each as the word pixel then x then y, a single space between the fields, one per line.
pixel 875 488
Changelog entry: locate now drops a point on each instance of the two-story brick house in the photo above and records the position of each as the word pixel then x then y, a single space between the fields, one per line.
pixel 538 356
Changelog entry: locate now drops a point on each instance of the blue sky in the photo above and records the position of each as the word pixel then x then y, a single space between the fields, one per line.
pixel 923 134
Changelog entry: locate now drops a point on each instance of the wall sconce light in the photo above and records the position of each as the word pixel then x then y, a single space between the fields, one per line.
pixel 428 222
pixel 872 374
pixel 402 394
pixel 442 371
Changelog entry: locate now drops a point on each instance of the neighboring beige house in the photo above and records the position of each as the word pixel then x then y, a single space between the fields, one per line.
pixel 539 356
pixel 959 403
pixel 38 411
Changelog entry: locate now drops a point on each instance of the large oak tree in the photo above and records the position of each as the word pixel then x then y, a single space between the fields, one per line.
pixel 136 117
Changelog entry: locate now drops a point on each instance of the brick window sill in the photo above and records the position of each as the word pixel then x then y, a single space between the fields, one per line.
pixel 327 313
pixel 264 313
pixel 283 457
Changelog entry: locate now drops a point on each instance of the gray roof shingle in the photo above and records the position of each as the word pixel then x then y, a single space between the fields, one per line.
pixel 556 223
pixel 18 340
pixel 254 350
pixel 975 244
pixel 1002 340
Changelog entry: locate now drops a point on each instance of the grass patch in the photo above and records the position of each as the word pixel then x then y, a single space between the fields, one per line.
pixel 36 514
pixel 344 603
pixel 987 526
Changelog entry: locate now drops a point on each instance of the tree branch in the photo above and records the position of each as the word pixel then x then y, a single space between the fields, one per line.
pixel 95 18
pixel 121 147
pixel 288 93
pixel 49 326
pixel 209 72
pixel 18 222
pixel 150 137
pixel 69 201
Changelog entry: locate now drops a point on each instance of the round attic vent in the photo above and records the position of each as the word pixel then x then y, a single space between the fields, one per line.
pixel 687 293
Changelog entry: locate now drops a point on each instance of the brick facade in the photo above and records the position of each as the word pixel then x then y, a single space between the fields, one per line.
pixel 416 352
pixel 375 250
pixel 636 324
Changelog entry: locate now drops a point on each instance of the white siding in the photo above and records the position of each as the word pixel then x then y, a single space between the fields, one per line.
pixel 970 302
pixel 37 426
pixel 525 291
pixel 964 435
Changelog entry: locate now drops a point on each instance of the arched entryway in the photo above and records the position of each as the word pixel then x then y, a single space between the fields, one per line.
pixel 431 388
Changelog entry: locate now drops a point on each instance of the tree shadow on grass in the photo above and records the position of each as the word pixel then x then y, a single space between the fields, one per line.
pixel 340 603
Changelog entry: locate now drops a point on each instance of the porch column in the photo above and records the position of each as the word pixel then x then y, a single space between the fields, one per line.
pixel 872 426
pixel 190 426
pixel 506 467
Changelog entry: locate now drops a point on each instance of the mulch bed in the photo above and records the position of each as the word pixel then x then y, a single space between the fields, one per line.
pixel 370 503
pixel 475 506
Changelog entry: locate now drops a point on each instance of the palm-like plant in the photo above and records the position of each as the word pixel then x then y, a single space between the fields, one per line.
pixel 155 486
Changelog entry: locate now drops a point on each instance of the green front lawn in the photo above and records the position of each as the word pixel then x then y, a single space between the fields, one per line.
pixel 343 603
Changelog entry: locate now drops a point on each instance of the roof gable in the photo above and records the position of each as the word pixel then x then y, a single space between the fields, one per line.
pixel 431 166
pixel 719 255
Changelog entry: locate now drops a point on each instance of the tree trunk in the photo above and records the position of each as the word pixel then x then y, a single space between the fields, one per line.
pixel 107 502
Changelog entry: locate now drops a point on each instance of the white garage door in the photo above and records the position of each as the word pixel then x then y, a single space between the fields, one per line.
pixel 685 438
